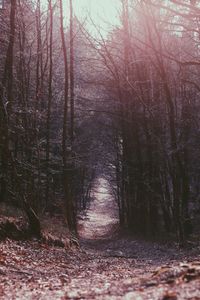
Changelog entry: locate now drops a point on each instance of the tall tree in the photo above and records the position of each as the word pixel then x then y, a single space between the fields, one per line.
pixel 72 36
pixel 65 152
pixel 6 88
pixel 49 107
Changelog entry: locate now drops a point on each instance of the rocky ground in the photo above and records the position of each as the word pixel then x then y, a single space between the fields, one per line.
pixel 107 266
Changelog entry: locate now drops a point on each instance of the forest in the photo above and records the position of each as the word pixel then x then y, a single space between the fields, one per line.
pixel 99 149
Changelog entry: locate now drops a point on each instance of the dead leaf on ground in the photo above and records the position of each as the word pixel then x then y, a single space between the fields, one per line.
pixel 170 295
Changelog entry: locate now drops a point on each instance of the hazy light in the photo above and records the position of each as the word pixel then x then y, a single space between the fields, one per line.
pixel 103 13
pixel 1 4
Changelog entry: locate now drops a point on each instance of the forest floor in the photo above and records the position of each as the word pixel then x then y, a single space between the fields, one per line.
pixel 107 266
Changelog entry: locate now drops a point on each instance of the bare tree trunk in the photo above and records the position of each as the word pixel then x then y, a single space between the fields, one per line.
pixel 8 69
pixel 49 98
pixel 66 176
pixel 38 62
pixel 7 86
pixel 66 89
pixel 71 72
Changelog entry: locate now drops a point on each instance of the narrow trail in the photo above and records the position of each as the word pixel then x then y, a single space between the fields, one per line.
pixel 108 267
pixel 101 218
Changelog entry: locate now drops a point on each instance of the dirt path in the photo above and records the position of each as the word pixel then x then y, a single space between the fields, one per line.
pixel 101 218
pixel 111 267
pixel 107 269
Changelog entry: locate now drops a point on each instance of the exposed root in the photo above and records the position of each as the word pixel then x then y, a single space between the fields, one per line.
pixel 54 241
